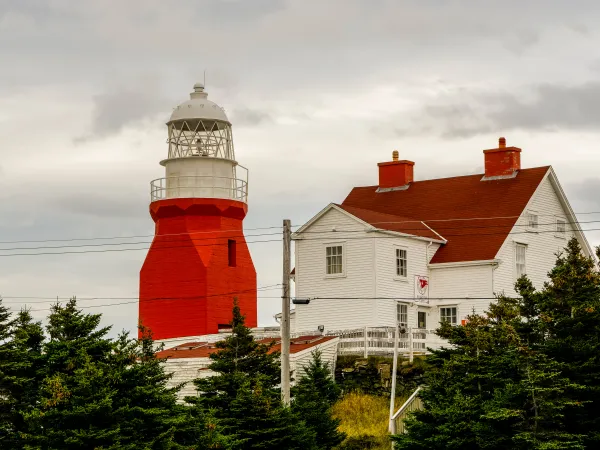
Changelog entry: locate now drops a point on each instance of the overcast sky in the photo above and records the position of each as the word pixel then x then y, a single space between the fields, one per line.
pixel 318 93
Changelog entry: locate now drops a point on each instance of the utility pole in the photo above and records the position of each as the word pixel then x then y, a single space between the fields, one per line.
pixel 392 425
pixel 285 313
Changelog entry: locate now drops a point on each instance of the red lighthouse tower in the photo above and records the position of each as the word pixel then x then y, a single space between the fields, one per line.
pixel 198 261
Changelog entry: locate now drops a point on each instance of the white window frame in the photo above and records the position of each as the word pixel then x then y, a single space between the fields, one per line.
pixel 518 247
pixel 452 316
pixel 325 259
pixel 418 324
pixel 533 221
pixel 404 277
pixel 557 232
pixel 404 308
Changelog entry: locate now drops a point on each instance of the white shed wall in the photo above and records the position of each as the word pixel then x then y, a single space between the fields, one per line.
pixel 300 360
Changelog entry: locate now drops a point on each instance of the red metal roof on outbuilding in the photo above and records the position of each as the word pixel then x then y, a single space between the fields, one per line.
pixel 296 345
pixel 474 216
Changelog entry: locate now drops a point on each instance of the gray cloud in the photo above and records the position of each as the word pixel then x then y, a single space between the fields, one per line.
pixel 115 110
pixel 127 205
pixel 249 117
pixel 315 68
pixel 588 191
pixel 546 107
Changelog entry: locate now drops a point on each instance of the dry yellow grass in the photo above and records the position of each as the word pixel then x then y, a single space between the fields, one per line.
pixel 362 415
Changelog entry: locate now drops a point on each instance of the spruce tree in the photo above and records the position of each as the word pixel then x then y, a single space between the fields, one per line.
pixel 491 389
pixel 146 408
pixel 569 311
pixel 313 396
pixel 6 360
pixel 75 406
pixel 244 394
pixel 21 362
pixel 100 393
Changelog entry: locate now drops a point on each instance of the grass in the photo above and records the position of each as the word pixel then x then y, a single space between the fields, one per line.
pixel 364 415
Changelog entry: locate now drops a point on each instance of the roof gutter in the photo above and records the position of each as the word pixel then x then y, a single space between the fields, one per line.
pixel 483 262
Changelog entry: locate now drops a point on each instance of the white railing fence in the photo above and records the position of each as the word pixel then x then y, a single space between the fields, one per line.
pixel 414 403
pixel 380 341
pixel 199 187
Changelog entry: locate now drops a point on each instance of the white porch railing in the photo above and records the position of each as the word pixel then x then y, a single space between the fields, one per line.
pixel 380 341
pixel 199 187
pixel 414 403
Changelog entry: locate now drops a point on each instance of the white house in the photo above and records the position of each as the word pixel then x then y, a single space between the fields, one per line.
pixel 190 360
pixel 419 252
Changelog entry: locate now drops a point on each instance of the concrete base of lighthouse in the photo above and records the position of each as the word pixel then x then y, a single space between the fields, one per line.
pixel 197 264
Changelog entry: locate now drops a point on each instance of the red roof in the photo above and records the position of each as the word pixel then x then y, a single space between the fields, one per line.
pixel 474 216
pixel 203 349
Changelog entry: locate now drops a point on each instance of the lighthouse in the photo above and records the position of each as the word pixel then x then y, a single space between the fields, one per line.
pixel 199 260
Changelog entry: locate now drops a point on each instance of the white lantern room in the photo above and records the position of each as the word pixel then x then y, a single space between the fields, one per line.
pixel 201 160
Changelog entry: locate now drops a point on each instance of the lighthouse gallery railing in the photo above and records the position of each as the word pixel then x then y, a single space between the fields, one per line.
pixel 199 187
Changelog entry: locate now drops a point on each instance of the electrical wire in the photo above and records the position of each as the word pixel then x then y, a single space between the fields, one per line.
pixel 154 299
pixel 328 238
pixel 58 298
pixel 191 239
pixel 273 227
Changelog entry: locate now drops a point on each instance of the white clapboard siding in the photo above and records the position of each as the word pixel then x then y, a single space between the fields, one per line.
pixel 185 370
pixel 541 247
pixel 389 285
pixel 299 361
pixel 357 281
pixel 472 285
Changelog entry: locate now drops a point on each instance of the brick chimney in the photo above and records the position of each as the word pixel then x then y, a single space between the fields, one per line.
pixel 502 162
pixel 394 174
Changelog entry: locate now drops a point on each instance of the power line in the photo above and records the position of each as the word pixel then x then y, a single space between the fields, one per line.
pixel 141 242
pixel 58 298
pixel 156 299
pixel 132 236
pixel 267 234
pixel 272 227
pixel 128 249
pixel 278 240
pixel 453 228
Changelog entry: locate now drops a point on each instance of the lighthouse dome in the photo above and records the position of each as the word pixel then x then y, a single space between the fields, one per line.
pixel 198 107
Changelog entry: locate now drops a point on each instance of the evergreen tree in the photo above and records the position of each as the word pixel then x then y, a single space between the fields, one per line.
pixel 491 389
pixel 6 359
pixel 99 393
pixel 244 397
pixel 569 311
pixel 313 396
pixel 146 408
pixel 21 361
pixel 75 407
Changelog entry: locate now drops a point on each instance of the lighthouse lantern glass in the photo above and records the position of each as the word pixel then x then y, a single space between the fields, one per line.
pixel 200 137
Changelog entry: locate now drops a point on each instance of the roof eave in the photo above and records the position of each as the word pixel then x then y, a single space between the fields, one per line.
pixel 411 236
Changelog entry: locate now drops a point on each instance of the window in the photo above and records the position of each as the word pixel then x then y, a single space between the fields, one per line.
pixel 421 319
pixel 448 315
pixel 520 266
pixel 402 313
pixel 231 253
pixel 333 256
pixel 532 221
pixel 561 227
pixel 401 263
